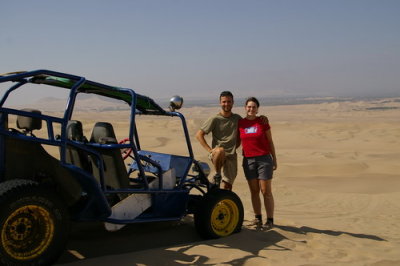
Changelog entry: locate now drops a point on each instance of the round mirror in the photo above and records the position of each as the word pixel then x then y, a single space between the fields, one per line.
pixel 175 103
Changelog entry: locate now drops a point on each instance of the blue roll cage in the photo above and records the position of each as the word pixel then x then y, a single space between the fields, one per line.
pixel 139 104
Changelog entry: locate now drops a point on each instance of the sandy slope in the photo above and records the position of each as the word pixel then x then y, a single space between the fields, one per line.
pixel 337 193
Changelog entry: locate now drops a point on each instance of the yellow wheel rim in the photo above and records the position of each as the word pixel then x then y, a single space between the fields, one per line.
pixel 27 232
pixel 224 217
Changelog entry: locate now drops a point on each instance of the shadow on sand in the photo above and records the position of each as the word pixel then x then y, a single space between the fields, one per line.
pixel 173 240
pixel 305 230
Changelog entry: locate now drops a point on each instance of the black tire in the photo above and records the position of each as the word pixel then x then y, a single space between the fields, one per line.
pixel 220 213
pixel 34 224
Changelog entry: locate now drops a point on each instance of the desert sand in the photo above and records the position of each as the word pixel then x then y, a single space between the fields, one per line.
pixel 336 189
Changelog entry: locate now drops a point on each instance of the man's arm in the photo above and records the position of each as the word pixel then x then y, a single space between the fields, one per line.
pixel 238 140
pixel 200 137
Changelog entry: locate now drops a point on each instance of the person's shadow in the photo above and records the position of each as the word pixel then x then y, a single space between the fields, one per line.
pixel 173 241
pixel 253 242
pixel 305 229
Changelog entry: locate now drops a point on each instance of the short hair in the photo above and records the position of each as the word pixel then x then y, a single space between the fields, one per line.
pixel 226 94
pixel 253 99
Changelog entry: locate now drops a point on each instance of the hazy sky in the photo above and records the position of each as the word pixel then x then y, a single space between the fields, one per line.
pixel 198 48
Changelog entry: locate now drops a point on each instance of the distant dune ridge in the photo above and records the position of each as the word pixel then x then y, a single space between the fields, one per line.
pixel 87 103
pixel 337 191
pixel 96 103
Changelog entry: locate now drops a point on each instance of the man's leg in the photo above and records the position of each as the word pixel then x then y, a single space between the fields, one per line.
pixel 230 171
pixel 218 158
pixel 227 186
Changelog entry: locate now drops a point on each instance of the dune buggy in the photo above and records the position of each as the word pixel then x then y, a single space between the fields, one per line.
pixel 41 192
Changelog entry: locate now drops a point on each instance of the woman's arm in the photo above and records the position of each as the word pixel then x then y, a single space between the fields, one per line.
pixel 272 146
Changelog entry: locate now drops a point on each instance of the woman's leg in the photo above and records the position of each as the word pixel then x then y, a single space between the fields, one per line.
pixel 266 190
pixel 255 195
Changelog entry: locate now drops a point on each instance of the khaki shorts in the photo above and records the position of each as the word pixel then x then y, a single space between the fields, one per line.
pixel 229 169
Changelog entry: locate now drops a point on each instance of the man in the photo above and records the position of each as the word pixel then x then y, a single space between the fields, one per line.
pixel 222 154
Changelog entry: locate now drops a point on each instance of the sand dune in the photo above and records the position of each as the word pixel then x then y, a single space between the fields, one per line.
pixel 337 193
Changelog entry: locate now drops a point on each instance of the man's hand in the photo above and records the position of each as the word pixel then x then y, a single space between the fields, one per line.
pixel 264 119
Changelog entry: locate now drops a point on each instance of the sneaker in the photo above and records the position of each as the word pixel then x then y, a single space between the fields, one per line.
pixel 217 179
pixel 256 223
pixel 268 225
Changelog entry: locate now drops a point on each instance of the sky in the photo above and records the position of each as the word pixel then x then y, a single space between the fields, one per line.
pixel 340 48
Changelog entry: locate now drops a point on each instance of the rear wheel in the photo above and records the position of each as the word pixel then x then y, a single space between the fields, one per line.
pixel 219 214
pixel 34 224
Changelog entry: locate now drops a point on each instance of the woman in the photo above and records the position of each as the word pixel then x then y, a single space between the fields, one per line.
pixel 259 161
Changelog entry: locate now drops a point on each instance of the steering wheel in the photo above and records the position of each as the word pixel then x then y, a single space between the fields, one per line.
pixel 126 152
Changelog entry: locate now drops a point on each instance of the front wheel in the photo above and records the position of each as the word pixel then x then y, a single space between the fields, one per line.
pixel 220 213
pixel 34 224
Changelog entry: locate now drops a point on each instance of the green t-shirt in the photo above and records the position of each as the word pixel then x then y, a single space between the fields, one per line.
pixel 224 131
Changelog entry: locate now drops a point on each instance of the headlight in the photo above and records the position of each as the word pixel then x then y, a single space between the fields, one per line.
pixel 175 103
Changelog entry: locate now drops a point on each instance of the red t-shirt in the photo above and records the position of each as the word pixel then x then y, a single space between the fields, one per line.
pixel 253 137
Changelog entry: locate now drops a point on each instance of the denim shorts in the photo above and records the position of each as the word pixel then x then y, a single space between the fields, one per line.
pixel 260 167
